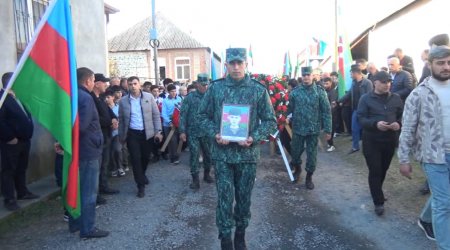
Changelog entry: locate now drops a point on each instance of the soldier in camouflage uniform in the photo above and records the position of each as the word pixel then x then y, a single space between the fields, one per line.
pixel 235 162
pixel 310 109
pixel 190 126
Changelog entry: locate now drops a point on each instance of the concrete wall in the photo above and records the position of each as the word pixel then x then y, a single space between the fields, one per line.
pixel 89 31
pixel 410 32
pixel 90 34
pixel 8 52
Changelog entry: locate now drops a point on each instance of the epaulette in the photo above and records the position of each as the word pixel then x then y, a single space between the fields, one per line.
pixel 215 81
pixel 260 83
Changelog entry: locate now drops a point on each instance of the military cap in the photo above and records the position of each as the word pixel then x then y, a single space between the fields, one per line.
pixel 382 76
pixel 355 68
pixel 203 79
pixel 234 111
pixel 306 70
pixel 236 54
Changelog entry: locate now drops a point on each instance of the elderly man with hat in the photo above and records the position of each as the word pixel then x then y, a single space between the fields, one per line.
pixel 360 86
pixel 379 114
pixel 235 162
pixel 108 122
pixel 426 134
pixel 311 113
pixel 190 127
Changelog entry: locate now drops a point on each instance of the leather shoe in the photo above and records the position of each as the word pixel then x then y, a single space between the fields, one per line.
pixel 353 150
pixel 96 233
pixel 11 205
pixel 141 193
pixel 27 196
pixel 109 191
pixel 100 200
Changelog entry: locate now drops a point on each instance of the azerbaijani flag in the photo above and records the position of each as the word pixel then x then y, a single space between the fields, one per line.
pixel 345 61
pixel 250 53
pixel 287 68
pixel 45 81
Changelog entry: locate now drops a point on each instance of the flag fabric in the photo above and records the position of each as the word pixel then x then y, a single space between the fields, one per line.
pixel 300 60
pixel 344 66
pixel 45 82
pixel 287 69
pixel 250 53
pixel 214 74
pixel 318 48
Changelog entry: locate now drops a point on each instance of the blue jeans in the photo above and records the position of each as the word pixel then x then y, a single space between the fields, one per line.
pixel 88 171
pixel 356 131
pixel 438 176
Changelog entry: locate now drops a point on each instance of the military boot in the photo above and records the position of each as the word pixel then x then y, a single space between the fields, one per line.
pixel 207 177
pixel 309 184
pixel 239 240
pixel 195 182
pixel 226 243
pixel 298 170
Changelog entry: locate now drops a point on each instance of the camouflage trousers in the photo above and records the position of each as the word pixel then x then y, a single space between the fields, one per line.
pixel 298 146
pixel 197 144
pixel 231 180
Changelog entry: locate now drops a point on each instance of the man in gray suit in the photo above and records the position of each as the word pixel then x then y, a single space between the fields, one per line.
pixel 139 127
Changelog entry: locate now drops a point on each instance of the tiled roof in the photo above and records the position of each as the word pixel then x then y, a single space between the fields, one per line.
pixel 137 38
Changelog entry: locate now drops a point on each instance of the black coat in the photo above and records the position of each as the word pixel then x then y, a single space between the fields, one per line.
pixel 15 122
pixel 402 84
pixel 373 108
pixel 105 115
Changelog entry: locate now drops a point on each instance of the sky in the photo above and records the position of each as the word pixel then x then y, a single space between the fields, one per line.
pixel 270 27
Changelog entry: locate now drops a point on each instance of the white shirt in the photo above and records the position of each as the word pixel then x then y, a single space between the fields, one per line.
pixel 136 119
pixel 442 90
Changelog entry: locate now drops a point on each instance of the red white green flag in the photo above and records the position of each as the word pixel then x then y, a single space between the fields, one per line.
pixel 45 81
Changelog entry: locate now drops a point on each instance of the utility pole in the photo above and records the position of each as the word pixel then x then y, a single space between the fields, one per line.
pixel 154 42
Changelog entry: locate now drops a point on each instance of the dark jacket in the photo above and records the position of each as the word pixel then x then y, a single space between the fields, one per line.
pixel 426 72
pixel 373 108
pixel 105 115
pixel 91 137
pixel 364 86
pixel 402 84
pixel 15 122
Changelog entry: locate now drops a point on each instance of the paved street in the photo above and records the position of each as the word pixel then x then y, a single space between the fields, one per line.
pixel 338 214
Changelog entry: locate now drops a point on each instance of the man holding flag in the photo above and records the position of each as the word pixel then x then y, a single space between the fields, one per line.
pixel 16 130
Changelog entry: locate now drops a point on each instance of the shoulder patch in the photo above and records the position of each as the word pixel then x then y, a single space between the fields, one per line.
pixel 259 83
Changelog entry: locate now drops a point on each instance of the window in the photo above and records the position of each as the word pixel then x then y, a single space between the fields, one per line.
pixel 27 15
pixel 182 69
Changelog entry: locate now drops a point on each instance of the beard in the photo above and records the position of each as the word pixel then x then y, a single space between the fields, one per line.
pixel 439 77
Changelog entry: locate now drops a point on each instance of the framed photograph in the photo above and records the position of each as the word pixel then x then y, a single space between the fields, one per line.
pixel 235 122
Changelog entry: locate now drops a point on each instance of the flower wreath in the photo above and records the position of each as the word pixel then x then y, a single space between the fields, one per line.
pixel 278 93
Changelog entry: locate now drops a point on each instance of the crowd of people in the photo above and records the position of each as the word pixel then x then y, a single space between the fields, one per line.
pixel 128 124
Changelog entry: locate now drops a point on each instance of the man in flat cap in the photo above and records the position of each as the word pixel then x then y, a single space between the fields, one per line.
pixel 379 114
pixel 360 86
pixel 190 127
pixel 426 134
pixel 311 113
pixel 235 162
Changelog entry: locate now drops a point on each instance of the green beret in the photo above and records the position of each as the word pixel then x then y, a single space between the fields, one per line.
pixel 306 70
pixel 203 78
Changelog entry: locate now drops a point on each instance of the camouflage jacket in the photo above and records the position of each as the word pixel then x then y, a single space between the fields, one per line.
pixel 189 120
pixel 310 110
pixel 261 121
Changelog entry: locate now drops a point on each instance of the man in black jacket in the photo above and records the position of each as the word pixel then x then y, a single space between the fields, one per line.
pixel 108 121
pixel 16 130
pixel 402 81
pixel 379 114
pixel 360 86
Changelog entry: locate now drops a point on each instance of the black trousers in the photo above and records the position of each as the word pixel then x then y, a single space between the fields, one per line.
pixel 139 149
pixel 14 167
pixel 104 164
pixel 346 114
pixel 378 159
